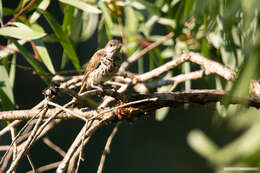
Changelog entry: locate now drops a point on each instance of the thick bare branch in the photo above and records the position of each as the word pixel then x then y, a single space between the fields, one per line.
pixel 211 67
pixel 162 99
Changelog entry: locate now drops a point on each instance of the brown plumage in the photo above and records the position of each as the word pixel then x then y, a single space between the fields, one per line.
pixel 102 66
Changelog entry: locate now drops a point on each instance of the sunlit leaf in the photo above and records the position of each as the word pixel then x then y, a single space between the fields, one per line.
pixel 160 114
pixel 12 71
pixel 9 49
pixel 63 38
pixel 43 6
pixel 68 19
pixel 131 21
pixel 89 25
pixel 82 5
pixel 44 55
pixel 21 31
pixel 1 12
pixel 188 8
pixel 30 59
pixel 77 27
pixel 200 143
pixel 106 14
pixel 6 83
pixel 6 93
pixel 150 7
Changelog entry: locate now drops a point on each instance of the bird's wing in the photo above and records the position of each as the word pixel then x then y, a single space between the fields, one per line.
pixel 92 65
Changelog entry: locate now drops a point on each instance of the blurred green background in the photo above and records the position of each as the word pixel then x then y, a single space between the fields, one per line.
pixel 191 138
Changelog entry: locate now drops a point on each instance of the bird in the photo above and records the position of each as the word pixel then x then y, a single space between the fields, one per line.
pixel 102 66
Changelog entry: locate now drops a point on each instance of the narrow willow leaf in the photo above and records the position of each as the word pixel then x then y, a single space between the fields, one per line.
pixel 77 27
pixel 200 143
pixel 68 19
pixel 5 83
pixel 106 14
pixel 82 5
pixel 29 58
pixel 5 101
pixel 12 71
pixel 10 49
pixel 150 7
pixel 188 8
pixel 160 114
pixel 43 52
pixel 36 15
pixel 1 13
pixel 63 38
pixel 131 21
pixel 186 69
pixel 21 31
pixel 89 25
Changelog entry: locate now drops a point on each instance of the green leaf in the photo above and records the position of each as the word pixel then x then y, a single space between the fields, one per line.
pixel 1 13
pixel 29 58
pixel 63 38
pixel 160 114
pixel 43 52
pixel 106 14
pixel 9 49
pixel 205 48
pixel 43 6
pixel 131 21
pixel 6 93
pixel 5 100
pixel 7 86
pixel 89 25
pixel 188 8
pixel 7 12
pixel 12 71
pixel 186 69
pixel 82 5
pixel 77 27
pixel 150 7
pixel 21 31
pixel 200 143
pixel 64 61
pixel 68 19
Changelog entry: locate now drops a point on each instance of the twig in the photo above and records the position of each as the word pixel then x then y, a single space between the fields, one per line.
pixel 53 146
pixel 9 126
pixel 78 114
pixel 5 160
pixel 4 147
pixel 74 157
pixel 132 59
pixel 46 167
pixel 31 162
pixel 95 125
pixel 145 87
pixel 125 105
pixel 80 158
pixel 21 131
pixel 77 142
pixel 14 143
pixel 19 13
pixel 28 143
pixel 53 116
pixel 107 148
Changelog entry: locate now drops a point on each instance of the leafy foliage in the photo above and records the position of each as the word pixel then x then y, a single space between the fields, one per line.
pixel 225 30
